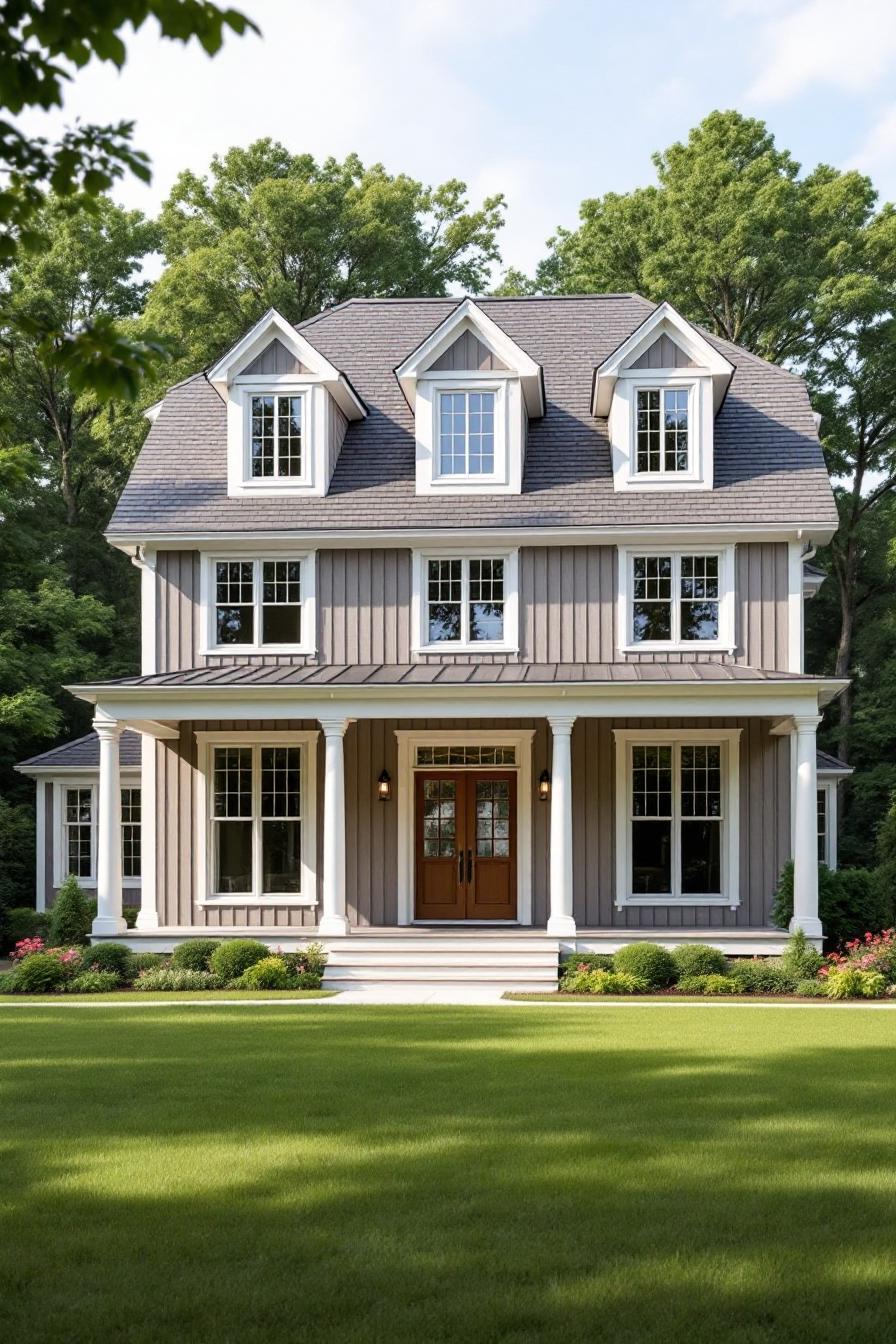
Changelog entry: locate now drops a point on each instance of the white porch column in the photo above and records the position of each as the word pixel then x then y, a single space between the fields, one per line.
pixel 332 918
pixel 148 918
pixel 805 847
pixel 560 917
pixel 109 921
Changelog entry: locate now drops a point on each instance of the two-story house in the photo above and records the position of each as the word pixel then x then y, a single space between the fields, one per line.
pixel 462 616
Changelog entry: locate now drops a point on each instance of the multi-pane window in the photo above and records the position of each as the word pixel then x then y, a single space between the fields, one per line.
pixel 466 433
pixel 258 602
pixel 276 436
pixel 130 833
pixel 464 601
pixel 78 827
pixel 675 598
pixel 662 430
pixel 457 755
pixel 676 818
pixel 822 815
pixel 256 817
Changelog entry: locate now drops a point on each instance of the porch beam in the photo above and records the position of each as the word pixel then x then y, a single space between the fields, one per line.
pixel 561 921
pixel 805 855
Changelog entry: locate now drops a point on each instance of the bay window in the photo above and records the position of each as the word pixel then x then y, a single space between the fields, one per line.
pixel 260 603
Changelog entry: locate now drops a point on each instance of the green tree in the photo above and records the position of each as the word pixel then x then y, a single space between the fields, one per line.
pixel 70 916
pixel 267 228
pixel 42 43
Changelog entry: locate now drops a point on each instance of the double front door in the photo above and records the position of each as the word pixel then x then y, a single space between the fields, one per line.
pixel 465 844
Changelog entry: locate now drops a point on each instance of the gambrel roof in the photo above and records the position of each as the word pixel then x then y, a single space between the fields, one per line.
pixel 769 466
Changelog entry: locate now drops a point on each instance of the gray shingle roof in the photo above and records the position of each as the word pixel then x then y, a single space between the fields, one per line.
pixel 768 463
pixel 435 674
pixel 85 751
pixel 826 761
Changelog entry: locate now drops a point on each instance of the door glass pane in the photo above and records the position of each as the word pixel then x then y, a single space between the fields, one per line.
pixel 492 818
pixel 439 819
pixel 234 856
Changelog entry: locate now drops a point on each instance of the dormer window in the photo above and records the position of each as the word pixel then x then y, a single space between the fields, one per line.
pixel 276 435
pixel 662 436
pixel 467 433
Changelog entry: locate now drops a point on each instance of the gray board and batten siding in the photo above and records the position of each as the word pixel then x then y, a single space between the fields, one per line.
pixel 372 827
pixel 568 610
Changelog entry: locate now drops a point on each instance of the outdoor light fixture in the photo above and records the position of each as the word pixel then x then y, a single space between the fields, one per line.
pixel 384 786
pixel 544 786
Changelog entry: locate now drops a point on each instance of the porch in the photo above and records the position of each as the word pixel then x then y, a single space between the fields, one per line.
pixel 586 863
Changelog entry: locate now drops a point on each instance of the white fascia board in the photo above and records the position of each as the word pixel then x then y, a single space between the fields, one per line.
pixel 664 318
pixel 389 538
pixel 469 316
pixel 274 324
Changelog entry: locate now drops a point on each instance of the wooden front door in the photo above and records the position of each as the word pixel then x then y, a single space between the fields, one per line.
pixel 465 844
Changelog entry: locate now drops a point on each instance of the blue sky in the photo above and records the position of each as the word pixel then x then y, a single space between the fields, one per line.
pixel 548 102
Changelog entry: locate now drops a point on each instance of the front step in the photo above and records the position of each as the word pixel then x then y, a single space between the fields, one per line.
pixel 500 960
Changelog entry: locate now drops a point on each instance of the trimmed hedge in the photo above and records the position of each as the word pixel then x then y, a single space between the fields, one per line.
pixel 646 961
pixel 699 959
pixel 231 959
pixel 114 958
pixel 195 955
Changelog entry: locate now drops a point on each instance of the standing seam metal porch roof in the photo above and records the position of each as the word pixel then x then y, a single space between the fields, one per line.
pixel 769 466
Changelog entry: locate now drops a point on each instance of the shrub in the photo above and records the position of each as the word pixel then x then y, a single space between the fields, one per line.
pixel 230 960
pixel 70 916
pixel 8 981
pixel 874 952
pixel 268 973
pixel 763 976
pixel 114 958
pixel 148 961
pixel 92 982
pixel 604 982
pixel 194 955
pixel 308 980
pixel 849 902
pixel 800 957
pixel 589 961
pixel 708 984
pixel 849 983
pixel 812 989
pixel 699 959
pixel 129 914
pixel 27 947
pixel 648 961
pixel 171 979
pixel 23 922
pixel 39 974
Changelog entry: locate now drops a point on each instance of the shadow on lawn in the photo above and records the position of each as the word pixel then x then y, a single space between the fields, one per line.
pixel 406 1175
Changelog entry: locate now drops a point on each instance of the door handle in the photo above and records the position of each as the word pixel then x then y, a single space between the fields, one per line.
pixel 469 865
pixel 460 868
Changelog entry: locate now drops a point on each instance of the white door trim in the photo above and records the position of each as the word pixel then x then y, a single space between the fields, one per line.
pixel 408 741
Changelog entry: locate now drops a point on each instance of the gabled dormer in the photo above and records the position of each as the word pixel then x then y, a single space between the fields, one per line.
pixel 287 412
pixel 473 392
pixel 660 392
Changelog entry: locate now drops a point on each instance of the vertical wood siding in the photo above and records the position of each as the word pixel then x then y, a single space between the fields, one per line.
pixel 275 358
pixel 466 354
pixel 664 354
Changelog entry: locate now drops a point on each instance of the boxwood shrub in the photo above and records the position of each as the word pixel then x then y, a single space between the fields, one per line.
pixel 231 959
pixel 194 955
pixel 115 958
pixel 647 961
pixel 39 974
pixel 696 959
pixel 769 976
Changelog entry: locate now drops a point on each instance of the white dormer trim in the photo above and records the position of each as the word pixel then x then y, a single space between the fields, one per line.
pixel 328 402
pixel 468 316
pixel 664 320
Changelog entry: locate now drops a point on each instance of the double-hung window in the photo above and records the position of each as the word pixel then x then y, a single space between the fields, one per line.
pixel 130 833
pixel 467 601
pixel 260 818
pixel 466 423
pixel 676 599
pixel 261 603
pixel 79 822
pixel 276 436
pixel 677 814
pixel 78 827
pixel 661 431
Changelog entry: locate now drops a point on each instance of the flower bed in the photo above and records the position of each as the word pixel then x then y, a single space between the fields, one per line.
pixel 201 965
pixel 865 969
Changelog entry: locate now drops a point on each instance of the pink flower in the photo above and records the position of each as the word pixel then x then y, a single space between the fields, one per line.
pixel 26 947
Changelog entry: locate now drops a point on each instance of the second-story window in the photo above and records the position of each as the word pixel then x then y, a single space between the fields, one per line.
pixel 466 433
pixel 261 603
pixel 677 599
pixel 466 602
pixel 662 430
pixel 276 436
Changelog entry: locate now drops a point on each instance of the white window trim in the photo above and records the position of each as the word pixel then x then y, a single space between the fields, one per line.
pixel 667 477
pixel 206 741
pixel 408 742
pixel 725 643
pixel 829 788
pixel 729 740
pixel 308 588
pixel 129 779
pixel 622 430
pixel 419 642
pixel 284 386
pixel 510 433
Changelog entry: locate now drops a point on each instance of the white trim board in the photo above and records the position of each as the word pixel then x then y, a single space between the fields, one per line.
pixel 408 741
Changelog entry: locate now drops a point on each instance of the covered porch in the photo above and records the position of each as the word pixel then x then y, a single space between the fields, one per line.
pixel 474 802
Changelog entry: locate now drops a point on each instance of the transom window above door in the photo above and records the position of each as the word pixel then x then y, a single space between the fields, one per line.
pixel 466 433
pixel 465 602
pixel 264 603
pixel 676 600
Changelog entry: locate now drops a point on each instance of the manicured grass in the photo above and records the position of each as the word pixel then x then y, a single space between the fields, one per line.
pixel 168 996
pixel 406 1175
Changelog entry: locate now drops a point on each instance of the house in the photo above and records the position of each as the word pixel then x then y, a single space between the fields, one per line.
pixel 467 626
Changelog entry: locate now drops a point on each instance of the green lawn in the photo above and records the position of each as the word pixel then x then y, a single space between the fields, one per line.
pixel 410 1175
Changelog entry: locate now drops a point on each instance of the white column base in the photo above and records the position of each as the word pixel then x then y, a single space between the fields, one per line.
pixel 561 926
pixel 333 925
pixel 107 926
pixel 148 919
pixel 810 925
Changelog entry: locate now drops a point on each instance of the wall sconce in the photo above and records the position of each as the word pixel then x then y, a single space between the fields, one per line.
pixel 384 786
pixel 544 786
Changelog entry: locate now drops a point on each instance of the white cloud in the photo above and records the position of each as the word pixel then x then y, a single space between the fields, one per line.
pixel 876 156
pixel 851 47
